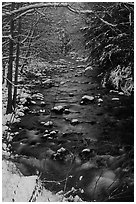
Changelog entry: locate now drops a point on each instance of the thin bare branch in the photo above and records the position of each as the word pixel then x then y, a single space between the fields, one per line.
pixel 33 6
pixel 24 13
pixel 77 11
pixel 14 56
pixel 4 5
pixel 11 82
pixel 41 13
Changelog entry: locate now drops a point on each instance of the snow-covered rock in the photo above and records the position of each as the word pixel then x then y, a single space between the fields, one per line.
pixel 58 109
pixel 66 111
pixel 115 99
pixel 62 82
pixel 100 100
pixel 74 121
pixel 89 98
pixel 49 123
pixel 88 71
pixel 86 150
pixel 62 149
pixel 86 99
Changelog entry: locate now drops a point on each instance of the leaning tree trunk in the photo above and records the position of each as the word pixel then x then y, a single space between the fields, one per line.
pixel 10 64
pixel 17 63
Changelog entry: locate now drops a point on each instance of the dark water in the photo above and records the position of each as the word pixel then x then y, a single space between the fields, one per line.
pixel 103 127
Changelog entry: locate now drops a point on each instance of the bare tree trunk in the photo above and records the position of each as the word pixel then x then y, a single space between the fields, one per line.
pixel 17 62
pixel 10 64
pixel 3 72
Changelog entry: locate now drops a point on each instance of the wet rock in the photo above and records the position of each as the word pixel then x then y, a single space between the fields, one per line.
pixel 29 102
pixel 87 153
pixel 88 70
pixel 71 69
pixel 85 150
pixel 71 94
pixel 62 149
pixel 100 100
pixel 46 131
pixel 66 111
pixel 62 82
pixel 46 135
pixel 53 133
pixel 121 93
pixel 43 103
pixel 48 124
pixel 58 109
pixel 61 154
pixel 74 121
pixel 86 99
pixel 89 98
pixel 50 138
pixel 115 99
pixel 42 122
pixel 42 111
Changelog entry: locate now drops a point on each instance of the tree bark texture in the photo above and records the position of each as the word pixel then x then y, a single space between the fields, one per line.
pixel 17 62
pixel 10 64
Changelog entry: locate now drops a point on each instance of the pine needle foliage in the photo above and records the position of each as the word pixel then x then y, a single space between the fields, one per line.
pixel 109 36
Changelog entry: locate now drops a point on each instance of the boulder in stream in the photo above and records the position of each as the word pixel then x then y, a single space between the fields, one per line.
pixel 87 99
pixel 48 124
pixel 88 71
pixel 66 111
pixel 74 121
pixel 58 109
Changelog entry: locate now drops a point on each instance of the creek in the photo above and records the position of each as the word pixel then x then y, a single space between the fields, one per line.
pixel 89 130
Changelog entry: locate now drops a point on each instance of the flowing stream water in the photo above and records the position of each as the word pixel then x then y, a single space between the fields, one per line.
pixel 103 125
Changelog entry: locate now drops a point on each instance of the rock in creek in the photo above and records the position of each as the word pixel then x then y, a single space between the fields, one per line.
pixel 115 99
pixel 88 71
pixel 43 103
pixel 58 109
pixel 48 124
pixel 66 111
pixel 100 100
pixel 71 94
pixel 74 121
pixel 87 99
pixel 62 82
pixel 29 102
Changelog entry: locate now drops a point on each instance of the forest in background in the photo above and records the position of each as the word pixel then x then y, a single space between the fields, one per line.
pixel 104 32
pixel 68 78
